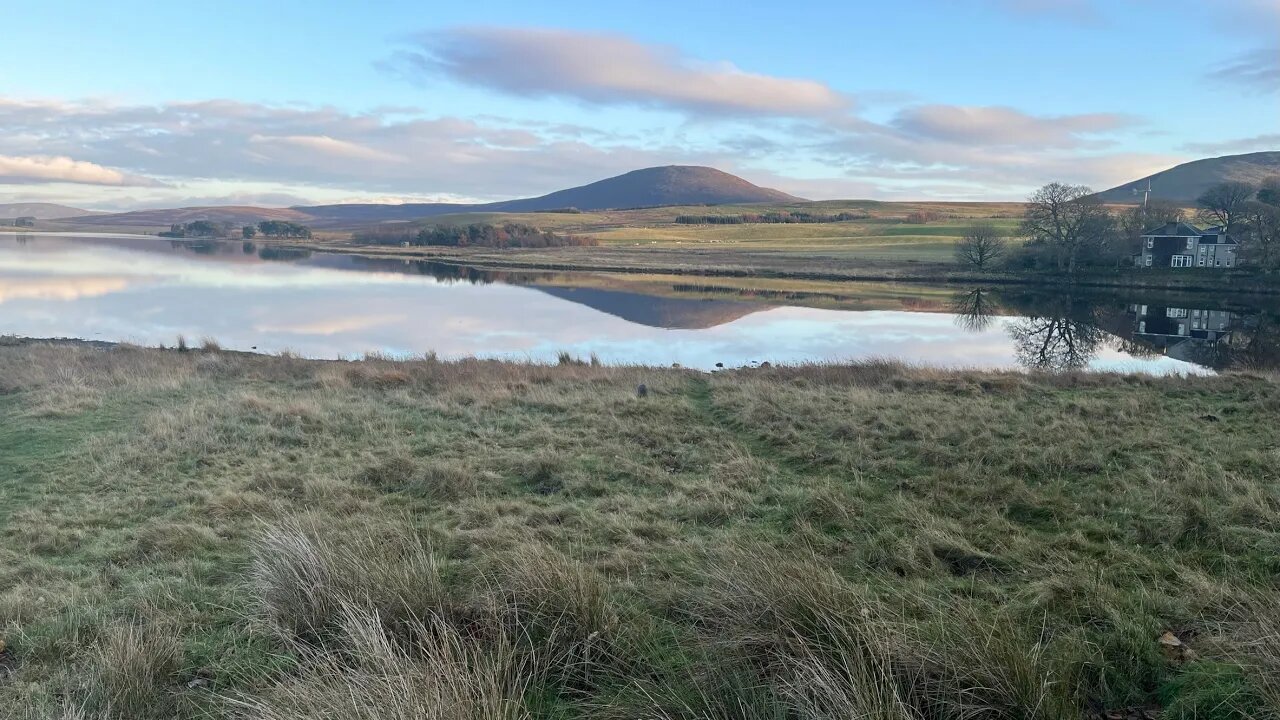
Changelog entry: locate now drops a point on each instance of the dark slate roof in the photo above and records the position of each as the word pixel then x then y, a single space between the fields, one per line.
pixel 1174 229
pixel 1215 236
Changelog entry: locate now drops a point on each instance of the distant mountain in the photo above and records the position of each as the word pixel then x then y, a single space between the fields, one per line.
pixel 237 215
pixel 1187 181
pixel 670 185
pixel 41 211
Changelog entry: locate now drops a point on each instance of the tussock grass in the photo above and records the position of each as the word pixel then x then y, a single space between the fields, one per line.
pixel 133 668
pixel 215 535
pixel 306 580
pixel 439 674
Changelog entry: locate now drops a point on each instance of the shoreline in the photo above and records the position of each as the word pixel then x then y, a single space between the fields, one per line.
pixel 737 264
pixel 484 259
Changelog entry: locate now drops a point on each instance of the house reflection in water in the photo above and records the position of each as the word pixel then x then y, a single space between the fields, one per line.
pixel 1182 333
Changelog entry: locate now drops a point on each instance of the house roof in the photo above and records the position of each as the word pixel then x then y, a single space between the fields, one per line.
pixel 1217 235
pixel 1173 229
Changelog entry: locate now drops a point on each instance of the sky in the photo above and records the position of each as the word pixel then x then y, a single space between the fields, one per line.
pixel 132 104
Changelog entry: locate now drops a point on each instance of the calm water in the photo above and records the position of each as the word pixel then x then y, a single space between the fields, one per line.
pixel 149 291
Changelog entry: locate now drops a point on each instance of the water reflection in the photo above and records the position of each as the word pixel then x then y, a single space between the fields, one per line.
pixel 319 304
pixel 1066 331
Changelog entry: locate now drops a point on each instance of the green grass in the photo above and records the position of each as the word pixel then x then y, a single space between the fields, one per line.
pixel 204 534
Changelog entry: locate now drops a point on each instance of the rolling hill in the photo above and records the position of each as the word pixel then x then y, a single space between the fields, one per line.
pixel 42 211
pixel 1184 183
pixel 235 214
pixel 670 185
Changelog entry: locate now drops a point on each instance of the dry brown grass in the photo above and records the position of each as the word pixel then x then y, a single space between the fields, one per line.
pixel 783 543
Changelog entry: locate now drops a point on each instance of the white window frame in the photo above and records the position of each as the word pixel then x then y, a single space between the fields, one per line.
pixel 1148 260
pixel 1191 243
pixel 1182 261
pixel 1151 242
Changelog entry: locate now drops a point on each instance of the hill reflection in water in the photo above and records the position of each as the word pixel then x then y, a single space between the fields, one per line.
pixel 149 291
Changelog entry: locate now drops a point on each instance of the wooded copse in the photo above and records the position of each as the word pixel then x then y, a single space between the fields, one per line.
pixel 1068 226
pixel 213 229
pixel 474 235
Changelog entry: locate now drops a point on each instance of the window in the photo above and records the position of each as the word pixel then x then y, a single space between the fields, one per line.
pixel 1182 261
pixel 1191 242
pixel 1151 242
pixel 1175 312
pixel 1182 328
pixel 1148 261
pixel 1142 326
pixel 1201 262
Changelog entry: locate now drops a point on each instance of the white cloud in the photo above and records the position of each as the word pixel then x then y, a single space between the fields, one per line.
pixel 609 69
pixel 326 145
pixel 1002 126
pixel 1269 141
pixel 61 169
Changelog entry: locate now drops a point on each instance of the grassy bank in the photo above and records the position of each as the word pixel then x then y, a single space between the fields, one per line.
pixel 206 534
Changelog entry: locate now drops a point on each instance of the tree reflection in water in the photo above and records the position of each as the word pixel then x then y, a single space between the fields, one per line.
pixel 975 309
pixel 1055 342
pixel 1066 331
pixel 1053 333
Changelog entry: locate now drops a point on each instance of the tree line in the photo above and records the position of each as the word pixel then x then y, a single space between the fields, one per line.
pixel 507 235
pixel 212 229
pixel 1067 227
pixel 769 217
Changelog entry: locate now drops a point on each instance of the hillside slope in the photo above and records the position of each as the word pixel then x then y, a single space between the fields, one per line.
pixel 670 185
pixel 238 215
pixel 42 211
pixel 1184 183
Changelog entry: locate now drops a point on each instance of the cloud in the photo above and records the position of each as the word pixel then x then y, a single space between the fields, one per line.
pixel 1005 127
pixel 1257 143
pixel 1257 70
pixel 227 143
pixel 16 169
pixel 220 152
pixel 326 145
pixel 608 69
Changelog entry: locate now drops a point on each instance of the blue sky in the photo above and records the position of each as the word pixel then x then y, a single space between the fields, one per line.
pixel 134 104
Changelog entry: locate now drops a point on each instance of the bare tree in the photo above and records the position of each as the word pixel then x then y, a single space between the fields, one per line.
pixel 981 246
pixel 1258 228
pixel 1068 219
pixel 1223 203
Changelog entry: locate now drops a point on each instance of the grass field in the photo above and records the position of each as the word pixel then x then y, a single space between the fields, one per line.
pixel 885 234
pixel 210 535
